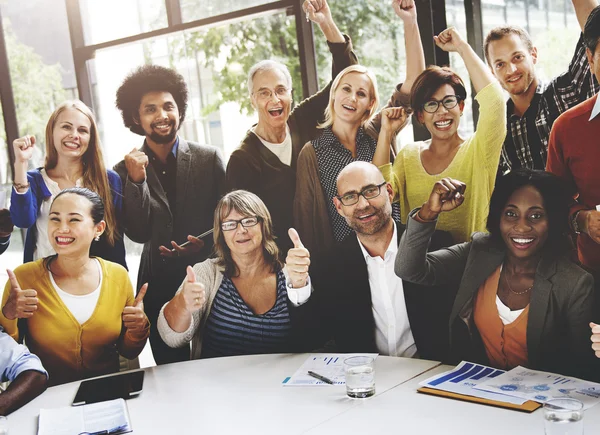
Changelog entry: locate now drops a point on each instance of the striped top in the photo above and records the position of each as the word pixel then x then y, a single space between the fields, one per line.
pixel 233 329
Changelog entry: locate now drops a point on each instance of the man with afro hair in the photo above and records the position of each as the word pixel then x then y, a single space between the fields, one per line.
pixel 171 188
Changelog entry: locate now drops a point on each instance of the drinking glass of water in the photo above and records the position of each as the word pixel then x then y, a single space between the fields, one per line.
pixel 3 425
pixel 360 376
pixel 563 417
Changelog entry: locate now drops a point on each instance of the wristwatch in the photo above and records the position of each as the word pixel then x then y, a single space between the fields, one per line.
pixel 574 222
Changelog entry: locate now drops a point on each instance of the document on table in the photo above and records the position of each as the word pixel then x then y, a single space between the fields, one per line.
pixel 109 417
pixel 465 378
pixel 542 386
pixel 330 366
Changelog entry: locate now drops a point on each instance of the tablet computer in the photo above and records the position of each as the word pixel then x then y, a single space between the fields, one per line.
pixel 126 386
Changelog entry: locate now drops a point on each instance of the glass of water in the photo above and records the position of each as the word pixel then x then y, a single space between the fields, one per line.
pixel 3 425
pixel 360 376
pixel 563 417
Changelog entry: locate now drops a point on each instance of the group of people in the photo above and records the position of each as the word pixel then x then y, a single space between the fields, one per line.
pixel 324 233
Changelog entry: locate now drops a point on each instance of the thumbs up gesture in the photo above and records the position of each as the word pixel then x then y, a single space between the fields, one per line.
pixel 595 338
pixel 136 162
pixel 21 304
pixel 193 292
pixel 23 148
pixel 134 317
pixel 297 261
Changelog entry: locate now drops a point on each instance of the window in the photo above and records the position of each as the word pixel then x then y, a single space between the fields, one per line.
pixel 192 10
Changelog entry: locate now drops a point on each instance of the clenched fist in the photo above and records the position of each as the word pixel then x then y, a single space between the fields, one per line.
pixel 23 148
pixel 136 162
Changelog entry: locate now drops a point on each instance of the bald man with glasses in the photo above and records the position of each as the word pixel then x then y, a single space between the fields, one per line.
pixel 357 298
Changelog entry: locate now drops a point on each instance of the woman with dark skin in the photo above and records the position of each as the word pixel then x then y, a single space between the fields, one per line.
pixel 520 300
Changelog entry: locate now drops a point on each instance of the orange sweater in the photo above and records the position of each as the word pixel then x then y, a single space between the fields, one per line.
pixel 505 345
pixel 69 350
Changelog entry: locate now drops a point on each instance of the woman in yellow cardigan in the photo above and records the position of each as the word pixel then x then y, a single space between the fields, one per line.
pixel 76 312
pixel 437 99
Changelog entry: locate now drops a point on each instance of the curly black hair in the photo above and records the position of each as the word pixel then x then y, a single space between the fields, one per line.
pixel 557 197
pixel 149 78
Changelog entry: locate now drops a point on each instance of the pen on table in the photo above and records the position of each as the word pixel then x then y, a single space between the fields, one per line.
pixel 320 377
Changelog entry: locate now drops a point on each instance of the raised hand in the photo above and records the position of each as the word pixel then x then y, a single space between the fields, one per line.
pixel 393 118
pixel 23 148
pixel 449 40
pixel 21 304
pixel 136 162
pixel 405 9
pixel 447 194
pixel 595 338
pixel 317 11
pixel 297 261
pixel 194 245
pixel 192 294
pixel 134 317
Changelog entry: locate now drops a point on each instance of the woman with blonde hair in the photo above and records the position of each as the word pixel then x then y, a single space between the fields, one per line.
pixel 73 159
pixel 239 302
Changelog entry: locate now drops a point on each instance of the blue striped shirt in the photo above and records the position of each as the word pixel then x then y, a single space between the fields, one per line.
pixel 233 329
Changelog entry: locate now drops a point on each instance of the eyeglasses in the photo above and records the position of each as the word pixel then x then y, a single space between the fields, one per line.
pixel 449 102
pixel 370 192
pixel 267 94
pixel 246 223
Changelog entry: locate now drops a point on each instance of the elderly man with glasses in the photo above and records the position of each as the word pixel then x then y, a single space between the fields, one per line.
pixel 375 311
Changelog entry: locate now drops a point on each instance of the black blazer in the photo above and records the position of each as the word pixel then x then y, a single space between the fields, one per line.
pixel 340 306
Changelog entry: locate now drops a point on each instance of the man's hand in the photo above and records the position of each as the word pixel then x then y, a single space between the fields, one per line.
pixel 449 40
pixel 393 119
pixel 195 245
pixel 23 148
pixel 317 11
pixel 595 338
pixel 192 294
pixel 297 261
pixel 136 162
pixel 405 9
pixel 447 194
pixel 589 222
pixel 134 317
pixel 6 224
pixel 21 304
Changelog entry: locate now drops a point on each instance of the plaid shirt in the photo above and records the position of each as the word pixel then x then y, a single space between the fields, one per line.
pixel 526 143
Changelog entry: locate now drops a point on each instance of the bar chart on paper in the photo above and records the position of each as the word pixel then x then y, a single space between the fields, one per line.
pixel 330 366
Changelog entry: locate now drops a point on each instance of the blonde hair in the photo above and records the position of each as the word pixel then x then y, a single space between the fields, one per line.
pixel 247 204
pixel 330 111
pixel 94 172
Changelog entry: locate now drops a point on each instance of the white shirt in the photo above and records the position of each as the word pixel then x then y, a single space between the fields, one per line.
pixel 81 306
pixel 506 315
pixel 282 150
pixel 596 109
pixel 393 336
pixel 43 248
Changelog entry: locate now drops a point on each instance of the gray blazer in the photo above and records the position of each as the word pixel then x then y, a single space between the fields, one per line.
pixel 561 306
pixel 149 220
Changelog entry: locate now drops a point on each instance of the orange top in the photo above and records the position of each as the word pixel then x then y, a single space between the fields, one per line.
pixel 505 345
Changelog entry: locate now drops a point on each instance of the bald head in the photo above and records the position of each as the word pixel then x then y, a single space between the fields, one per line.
pixel 361 173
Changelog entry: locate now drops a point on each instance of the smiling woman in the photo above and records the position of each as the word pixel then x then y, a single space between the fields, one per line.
pixel 73 158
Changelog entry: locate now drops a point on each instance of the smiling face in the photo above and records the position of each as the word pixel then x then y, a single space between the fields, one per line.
pixel 159 117
pixel 71 228
pixel 272 98
pixel 367 216
pixel 513 64
pixel 71 133
pixel 443 124
pixel 243 241
pixel 524 223
pixel 353 98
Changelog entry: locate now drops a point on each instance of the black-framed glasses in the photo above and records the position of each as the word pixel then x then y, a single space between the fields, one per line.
pixel 449 102
pixel 370 192
pixel 246 223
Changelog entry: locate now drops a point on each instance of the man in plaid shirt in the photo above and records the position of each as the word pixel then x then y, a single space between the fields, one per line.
pixel 534 106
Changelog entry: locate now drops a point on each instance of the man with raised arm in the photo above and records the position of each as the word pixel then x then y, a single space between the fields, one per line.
pixel 534 106
pixel 171 188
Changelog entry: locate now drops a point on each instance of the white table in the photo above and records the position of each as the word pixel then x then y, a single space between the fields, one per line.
pixel 402 410
pixel 231 395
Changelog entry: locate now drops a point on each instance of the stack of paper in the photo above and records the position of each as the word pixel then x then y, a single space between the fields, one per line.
pixel 109 417
pixel 330 366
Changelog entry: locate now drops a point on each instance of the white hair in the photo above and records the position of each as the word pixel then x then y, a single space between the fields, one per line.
pixel 268 65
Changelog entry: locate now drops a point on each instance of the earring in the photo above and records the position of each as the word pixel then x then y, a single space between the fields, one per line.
pixel 97 238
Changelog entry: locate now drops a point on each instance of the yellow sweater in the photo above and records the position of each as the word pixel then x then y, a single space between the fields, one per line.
pixel 69 350
pixel 475 163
